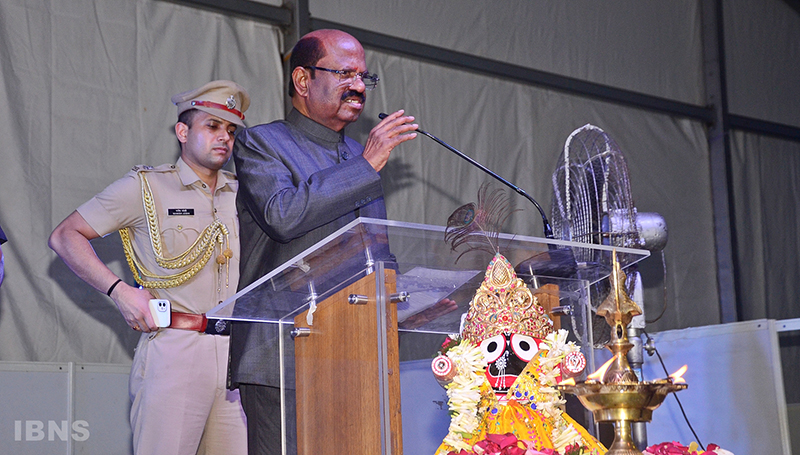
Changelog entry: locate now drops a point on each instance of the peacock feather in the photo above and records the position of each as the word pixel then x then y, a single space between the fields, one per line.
pixel 477 225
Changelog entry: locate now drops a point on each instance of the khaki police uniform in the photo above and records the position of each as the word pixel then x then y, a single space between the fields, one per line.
pixel 180 404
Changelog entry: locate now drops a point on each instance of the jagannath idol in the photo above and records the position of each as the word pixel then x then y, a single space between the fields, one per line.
pixel 500 371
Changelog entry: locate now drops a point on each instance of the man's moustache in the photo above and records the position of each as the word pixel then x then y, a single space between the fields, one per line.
pixel 350 93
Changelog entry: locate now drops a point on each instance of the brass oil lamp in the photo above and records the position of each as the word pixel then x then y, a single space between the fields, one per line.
pixel 614 393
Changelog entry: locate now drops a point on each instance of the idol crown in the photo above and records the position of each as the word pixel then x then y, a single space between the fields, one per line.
pixel 504 304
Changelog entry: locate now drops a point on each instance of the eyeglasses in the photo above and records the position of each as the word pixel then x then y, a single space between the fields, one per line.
pixel 349 76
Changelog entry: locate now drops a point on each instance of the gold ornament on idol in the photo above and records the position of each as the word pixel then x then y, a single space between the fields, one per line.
pixel 192 260
pixel 504 304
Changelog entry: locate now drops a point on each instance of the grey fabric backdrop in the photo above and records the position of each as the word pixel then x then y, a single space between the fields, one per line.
pixel 85 87
pixel 84 90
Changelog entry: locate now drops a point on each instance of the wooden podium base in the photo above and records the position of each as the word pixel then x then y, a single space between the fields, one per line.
pixel 338 375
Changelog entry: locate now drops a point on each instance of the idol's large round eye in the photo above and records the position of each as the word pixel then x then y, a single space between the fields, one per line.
pixel 493 347
pixel 524 347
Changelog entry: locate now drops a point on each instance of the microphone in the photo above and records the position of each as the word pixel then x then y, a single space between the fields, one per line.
pixel 548 230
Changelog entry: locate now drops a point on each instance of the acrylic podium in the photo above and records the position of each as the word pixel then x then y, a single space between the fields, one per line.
pixel 341 306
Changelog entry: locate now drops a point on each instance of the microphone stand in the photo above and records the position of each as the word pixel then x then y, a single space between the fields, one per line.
pixel 548 231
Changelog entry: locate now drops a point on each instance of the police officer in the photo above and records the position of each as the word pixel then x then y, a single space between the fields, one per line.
pixel 180 235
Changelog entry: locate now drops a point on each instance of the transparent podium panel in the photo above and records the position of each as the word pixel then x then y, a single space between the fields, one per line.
pixel 362 313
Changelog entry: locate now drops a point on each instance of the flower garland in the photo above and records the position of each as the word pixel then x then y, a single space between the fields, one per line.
pixel 550 402
pixel 470 396
pixel 464 393
pixel 508 444
pixel 675 448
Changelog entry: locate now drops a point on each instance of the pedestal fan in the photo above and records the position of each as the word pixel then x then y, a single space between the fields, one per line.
pixel 592 203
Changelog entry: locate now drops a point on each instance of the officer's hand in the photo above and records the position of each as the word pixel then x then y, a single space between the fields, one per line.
pixel 134 304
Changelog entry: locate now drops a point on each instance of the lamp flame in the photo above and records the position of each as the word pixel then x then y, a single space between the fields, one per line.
pixel 677 377
pixel 598 375
pixel 569 381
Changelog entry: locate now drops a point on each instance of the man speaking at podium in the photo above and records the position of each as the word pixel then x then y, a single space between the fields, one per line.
pixel 300 180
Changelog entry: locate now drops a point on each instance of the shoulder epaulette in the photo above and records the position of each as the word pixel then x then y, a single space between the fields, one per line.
pixel 161 168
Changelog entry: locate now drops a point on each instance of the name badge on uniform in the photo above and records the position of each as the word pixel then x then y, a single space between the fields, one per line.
pixel 180 212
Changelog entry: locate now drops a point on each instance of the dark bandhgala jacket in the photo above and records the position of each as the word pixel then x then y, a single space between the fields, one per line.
pixel 298 183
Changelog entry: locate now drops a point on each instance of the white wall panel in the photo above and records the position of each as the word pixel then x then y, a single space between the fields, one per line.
pixel 735 396
pixel 64 409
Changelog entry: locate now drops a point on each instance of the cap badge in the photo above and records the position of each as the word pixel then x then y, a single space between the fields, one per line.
pixel 230 102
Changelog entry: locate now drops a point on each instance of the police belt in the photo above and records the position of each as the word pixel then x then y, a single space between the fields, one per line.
pixel 199 323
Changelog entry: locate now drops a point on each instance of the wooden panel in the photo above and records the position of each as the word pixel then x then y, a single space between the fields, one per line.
pixel 337 374
pixel 548 299
pixel 396 419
